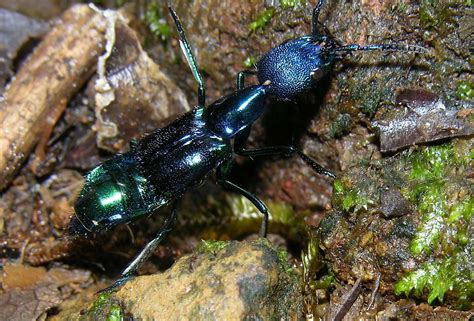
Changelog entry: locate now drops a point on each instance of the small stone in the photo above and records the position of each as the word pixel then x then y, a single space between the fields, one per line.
pixel 243 280
pixel 393 204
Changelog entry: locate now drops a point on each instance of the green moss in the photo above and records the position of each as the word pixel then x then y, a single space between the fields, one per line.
pixel 368 93
pixel 442 236
pixel 104 308
pixel 262 20
pixel 435 15
pixel 115 313
pixel 340 125
pixel 431 203
pixel 211 246
pixel 402 8
pixel 249 62
pixel 430 167
pixel 326 281
pixel 283 258
pixel 465 90
pixel 351 198
pixel 461 210
pixel 426 15
pixel 430 163
pixel 156 23
pixel 349 201
pixel 434 180
pixel 100 302
pixel 291 4
pixel 438 278
pixel 338 186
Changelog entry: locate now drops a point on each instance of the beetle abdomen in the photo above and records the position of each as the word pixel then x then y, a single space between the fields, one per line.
pixel 115 192
pixel 185 164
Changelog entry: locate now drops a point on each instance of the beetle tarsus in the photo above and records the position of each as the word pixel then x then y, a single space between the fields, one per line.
pixel 117 284
pixel 146 252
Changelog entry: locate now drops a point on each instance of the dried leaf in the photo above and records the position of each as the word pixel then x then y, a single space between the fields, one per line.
pixel 422 117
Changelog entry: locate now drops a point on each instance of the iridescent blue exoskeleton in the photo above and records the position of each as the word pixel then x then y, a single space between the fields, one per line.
pixel 160 167
pixel 296 65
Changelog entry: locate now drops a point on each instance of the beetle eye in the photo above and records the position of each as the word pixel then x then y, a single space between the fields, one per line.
pixel 317 74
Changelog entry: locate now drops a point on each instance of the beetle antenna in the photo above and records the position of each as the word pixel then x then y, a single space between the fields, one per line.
pixel 314 22
pixel 383 47
pixel 188 53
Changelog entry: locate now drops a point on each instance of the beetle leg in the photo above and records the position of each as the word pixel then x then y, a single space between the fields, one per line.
pixel 314 165
pixel 241 78
pixel 242 137
pixel 146 252
pixel 222 173
pixel 151 246
pixel 285 151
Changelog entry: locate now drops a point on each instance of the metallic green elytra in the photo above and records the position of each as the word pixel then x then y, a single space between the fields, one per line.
pixel 115 192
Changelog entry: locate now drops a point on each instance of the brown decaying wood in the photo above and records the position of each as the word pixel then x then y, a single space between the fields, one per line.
pixel 55 71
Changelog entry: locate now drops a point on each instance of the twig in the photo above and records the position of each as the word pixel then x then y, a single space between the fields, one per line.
pixel 346 306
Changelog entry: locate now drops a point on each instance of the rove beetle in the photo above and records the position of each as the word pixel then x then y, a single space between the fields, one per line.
pixel 163 165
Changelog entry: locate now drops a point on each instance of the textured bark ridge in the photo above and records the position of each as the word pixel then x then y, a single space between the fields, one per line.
pixel 59 66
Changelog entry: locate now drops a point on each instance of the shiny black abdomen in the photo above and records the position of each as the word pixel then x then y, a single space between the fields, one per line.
pixel 156 171
pixel 180 155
